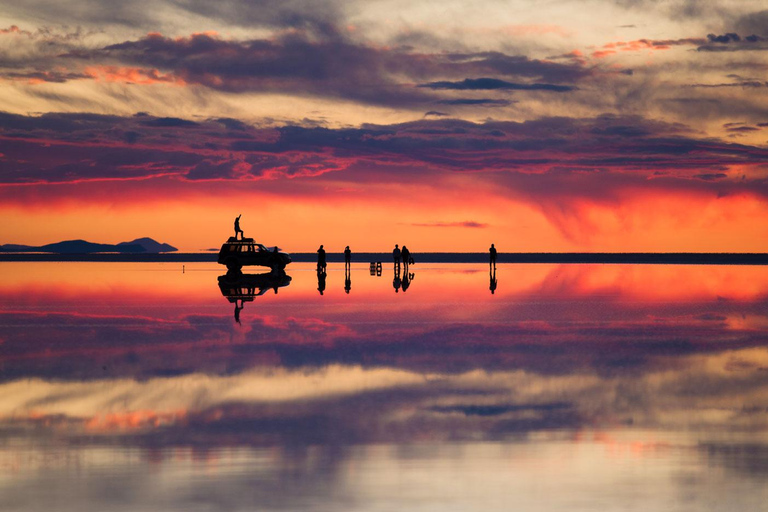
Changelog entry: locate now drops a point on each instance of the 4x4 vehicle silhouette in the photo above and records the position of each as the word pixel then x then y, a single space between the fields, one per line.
pixel 236 253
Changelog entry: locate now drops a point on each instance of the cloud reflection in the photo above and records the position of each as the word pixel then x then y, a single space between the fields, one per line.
pixel 559 347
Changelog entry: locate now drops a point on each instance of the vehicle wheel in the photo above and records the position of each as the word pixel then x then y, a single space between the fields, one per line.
pixel 233 264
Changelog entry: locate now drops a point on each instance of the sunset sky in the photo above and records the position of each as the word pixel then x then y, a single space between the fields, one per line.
pixel 602 125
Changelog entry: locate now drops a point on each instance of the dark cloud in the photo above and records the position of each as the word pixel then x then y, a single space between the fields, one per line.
pixel 500 409
pixel 725 38
pixel 518 66
pixel 753 23
pixel 298 62
pixel 485 84
pixel 321 16
pixel 296 65
pixel 749 84
pixel 435 113
pixel 732 42
pixel 214 170
pixel 233 124
pixel 47 76
pixel 74 147
pixel 743 129
pixel 711 176
pixel 167 122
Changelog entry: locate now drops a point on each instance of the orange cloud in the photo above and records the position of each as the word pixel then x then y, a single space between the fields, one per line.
pixel 133 420
pixel 645 44
pixel 14 29
pixel 602 53
pixel 132 75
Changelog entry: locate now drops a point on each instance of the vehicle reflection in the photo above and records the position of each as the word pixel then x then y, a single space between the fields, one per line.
pixel 240 288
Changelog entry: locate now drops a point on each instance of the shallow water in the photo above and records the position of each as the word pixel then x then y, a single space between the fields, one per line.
pixel 571 387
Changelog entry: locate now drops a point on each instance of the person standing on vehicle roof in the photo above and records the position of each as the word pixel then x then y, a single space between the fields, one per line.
pixel 237 227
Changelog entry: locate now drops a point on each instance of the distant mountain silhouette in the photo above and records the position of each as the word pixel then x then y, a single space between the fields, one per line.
pixel 14 248
pixel 140 245
pixel 149 245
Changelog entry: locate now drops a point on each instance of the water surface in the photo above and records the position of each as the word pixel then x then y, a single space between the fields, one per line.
pixel 127 386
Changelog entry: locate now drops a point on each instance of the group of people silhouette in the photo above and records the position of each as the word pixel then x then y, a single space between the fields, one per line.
pixel 405 255
pixel 322 265
pixel 401 258
pixel 397 254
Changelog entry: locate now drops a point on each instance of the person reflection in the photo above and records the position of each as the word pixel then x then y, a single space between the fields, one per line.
pixel 321 279
pixel 493 284
pixel 407 278
pixel 238 308
pixel 396 282
pixel 347 280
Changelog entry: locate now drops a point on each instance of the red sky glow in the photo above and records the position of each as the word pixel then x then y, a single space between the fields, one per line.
pixel 643 129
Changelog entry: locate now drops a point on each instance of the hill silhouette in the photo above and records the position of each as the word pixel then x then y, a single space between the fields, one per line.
pixel 149 245
pixel 140 245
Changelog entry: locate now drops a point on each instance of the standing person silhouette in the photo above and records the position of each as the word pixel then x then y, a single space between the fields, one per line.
pixel 321 259
pixel 492 250
pixel 237 227
pixel 347 257
pixel 406 254
pixel 396 257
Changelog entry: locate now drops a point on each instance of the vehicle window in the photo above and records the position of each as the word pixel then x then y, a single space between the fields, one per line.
pixel 231 248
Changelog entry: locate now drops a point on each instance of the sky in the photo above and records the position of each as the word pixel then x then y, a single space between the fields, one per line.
pixel 601 125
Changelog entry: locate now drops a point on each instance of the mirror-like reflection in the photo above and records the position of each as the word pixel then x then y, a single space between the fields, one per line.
pixel 589 383
pixel 239 288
